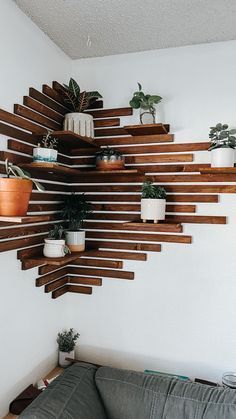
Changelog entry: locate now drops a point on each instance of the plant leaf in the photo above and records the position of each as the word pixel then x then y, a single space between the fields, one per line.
pixel 74 87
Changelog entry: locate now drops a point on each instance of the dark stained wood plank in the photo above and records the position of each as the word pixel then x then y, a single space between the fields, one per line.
pixel 16 133
pixel 165 148
pixel 21 122
pixel 59 292
pixel 218 170
pixel 28 219
pixel 109 113
pixel 169 188
pixel 42 260
pixel 113 264
pixel 56 284
pixel 198 219
pixel 83 280
pixel 46 100
pixel 124 245
pixel 166 168
pixel 147 129
pixel 159 227
pixel 193 178
pixel 106 273
pixel 46 279
pixel 42 109
pixel 137 207
pixel 149 237
pixel 153 158
pixel 109 122
pixel 141 139
pixel 73 140
pixel 119 255
pixel 31 251
pixel 5 246
pixel 53 94
pixel 80 290
pixel 41 196
pixel 136 198
pixel 44 207
pixel 8 233
pixel 36 117
pixel 107 132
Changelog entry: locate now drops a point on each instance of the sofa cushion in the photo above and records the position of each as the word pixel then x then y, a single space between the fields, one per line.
pixel 72 395
pixel 133 395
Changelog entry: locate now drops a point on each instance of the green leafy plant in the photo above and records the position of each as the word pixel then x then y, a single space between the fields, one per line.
pixel 150 191
pixel 57 232
pixel 108 152
pixel 67 340
pixel 222 137
pixel 146 102
pixel 48 141
pixel 76 100
pixel 17 172
pixel 75 210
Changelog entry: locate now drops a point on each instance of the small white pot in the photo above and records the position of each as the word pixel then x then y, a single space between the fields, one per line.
pixel 44 155
pixel 75 240
pixel 153 209
pixel 54 248
pixel 62 358
pixel 222 157
pixel 79 123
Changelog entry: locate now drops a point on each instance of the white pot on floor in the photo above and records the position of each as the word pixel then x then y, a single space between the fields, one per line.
pixel 54 248
pixel 153 209
pixel 44 155
pixel 75 240
pixel 222 157
pixel 79 123
pixel 62 358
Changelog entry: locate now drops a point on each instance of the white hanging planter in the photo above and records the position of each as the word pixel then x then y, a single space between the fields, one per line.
pixel 44 155
pixel 62 358
pixel 153 209
pixel 75 240
pixel 54 248
pixel 79 123
pixel 222 157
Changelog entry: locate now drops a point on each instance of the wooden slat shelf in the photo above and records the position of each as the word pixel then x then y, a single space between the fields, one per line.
pixel 151 226
pixel 50 168
pixel 70 140
pixel 26 219
pixel 41 260
pixel 105 172
pixel 147 129
pixel 218 170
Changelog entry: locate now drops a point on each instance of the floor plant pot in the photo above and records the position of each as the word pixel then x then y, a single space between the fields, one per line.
pixel 44 155
pixel 14 196
pixel 62 358
pixel 79 123
pixel 54 248
pixel 153 209
pixel 222 157
pixel 75 240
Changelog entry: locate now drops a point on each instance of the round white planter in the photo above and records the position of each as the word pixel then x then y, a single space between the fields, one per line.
pixel 79 123
pixel 222 157
pixel 153 209
pixel 54 248
pixel 44 155
pixel 75 240
pixel 62 358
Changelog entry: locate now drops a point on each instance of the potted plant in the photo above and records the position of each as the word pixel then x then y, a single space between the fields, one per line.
pixel 15 191
pixel 66 346
pixel 75 210
pixel 55 246
pixel 223 144
pixel 153 202
pixel 78 101
pixel 45 151
pixel 146 104
pixel 109 159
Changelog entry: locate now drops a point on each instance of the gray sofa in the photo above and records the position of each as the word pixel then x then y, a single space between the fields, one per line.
pixel 84 391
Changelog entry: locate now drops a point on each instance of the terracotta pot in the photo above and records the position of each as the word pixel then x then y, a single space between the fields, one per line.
pixel 14 196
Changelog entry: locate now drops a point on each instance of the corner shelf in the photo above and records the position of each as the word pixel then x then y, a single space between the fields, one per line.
pixel 71 140
pixel 50 168
pixel 147 129
pixel 218 170
pixel 104 172
pixel 42 260
pixel 26 219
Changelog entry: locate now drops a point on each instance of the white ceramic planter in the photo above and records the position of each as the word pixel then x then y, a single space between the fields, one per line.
pixel 54 248
pixel 44 155
pixel 79 123
pixel 222 157
pixel 153 209
pixel 62 358
pixel 75 240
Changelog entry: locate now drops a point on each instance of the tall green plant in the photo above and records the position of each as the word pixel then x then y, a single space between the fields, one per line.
pixel 150 191
pixel 77 100
pixel 75 210
pixel 67 340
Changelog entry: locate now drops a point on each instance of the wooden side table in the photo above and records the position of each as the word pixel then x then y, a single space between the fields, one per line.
pixel 56 371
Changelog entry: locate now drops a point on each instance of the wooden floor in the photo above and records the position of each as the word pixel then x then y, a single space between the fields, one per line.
pixel 50 375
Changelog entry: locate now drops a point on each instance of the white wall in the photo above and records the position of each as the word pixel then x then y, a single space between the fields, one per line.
pixel 178 315
pixel 29 319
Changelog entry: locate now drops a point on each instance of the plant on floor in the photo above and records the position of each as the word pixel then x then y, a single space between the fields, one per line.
pixel 150 191
pixel 146 104
pixel 109 159
pixel 67 340
pixel 77 100
pixel 221 137
pixel 75 210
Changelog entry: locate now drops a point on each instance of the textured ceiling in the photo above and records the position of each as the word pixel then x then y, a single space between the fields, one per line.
pixel 91 28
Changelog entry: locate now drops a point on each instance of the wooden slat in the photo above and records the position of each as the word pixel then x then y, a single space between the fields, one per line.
pixel 42 109
pixel 36 117
pixel 46 100
pixel 193 178
pixel 198 219
pixel 59 261
pixel 26 220
pixel 47 90
pixel 137 207
pixel 159 227
pixel 136 198
pixel 165 148
pixel 140 139
pixel 114 264
pixel 153 158
pixel 168 168
pixel 17 133
pixel 21 122
pixel 83 280
pixel 59 292
pixel 46 279
pixel 218 170
pixel 8 233
pixel 41 196
pixel 44 207
pixel 80 290
pixel 169 188
pixel 106 273
pixel 147 129
pixel 124 245
pixel 107 132
pixel 150 237
pixel 20 243
pixel 120 255
pixel 14 158
pixel 109 113
pixel 109 122
pixel 56 284
pixel 31 251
